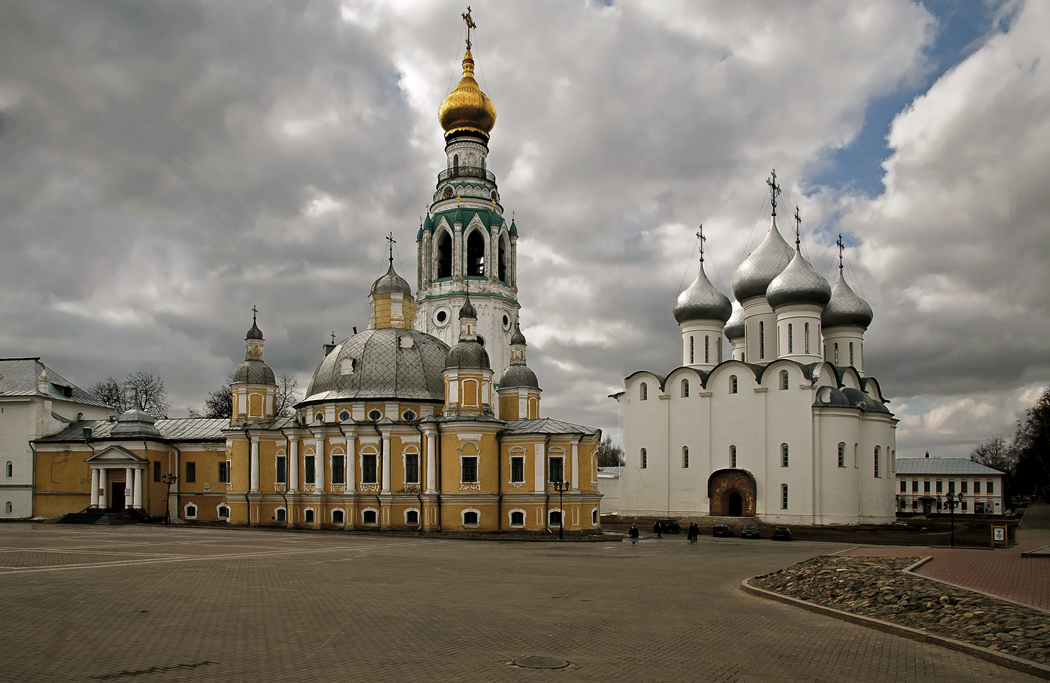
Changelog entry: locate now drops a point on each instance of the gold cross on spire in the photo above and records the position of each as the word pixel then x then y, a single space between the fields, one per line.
pixel 470 24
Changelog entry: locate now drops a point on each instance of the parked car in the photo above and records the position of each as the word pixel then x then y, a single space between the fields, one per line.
pixel 722 529
pixel 669 526
pixel 781 533
pixel 750 531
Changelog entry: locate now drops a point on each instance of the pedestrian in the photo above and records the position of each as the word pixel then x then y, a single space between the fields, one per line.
pixel 633 534
pixel 658 529
pixel 694 532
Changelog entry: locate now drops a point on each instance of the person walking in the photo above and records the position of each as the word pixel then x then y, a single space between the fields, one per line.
pixel 694 531
pixel 658 529
pixel 633 534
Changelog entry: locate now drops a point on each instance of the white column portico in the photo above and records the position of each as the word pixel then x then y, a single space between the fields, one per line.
pixel 318 464
pixel 293 464
pixel 255 464
pixel 431 459
pixel 541 459
pixel 139 477
pixel 576 465
pixel 386 462
pixel 129 485
pixel 94 487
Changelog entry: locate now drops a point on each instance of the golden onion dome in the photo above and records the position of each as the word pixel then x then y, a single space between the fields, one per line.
pixel 467 108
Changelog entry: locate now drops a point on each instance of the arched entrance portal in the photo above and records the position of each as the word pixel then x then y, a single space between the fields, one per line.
pixel 731 493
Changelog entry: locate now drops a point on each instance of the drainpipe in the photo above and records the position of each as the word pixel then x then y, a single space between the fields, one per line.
pixel 178 462
pixel 32 508
pixel 419 494
pixel 499 482
pixel 437 459
pixel 379 475
pixel 247 500
pixel 351 461
pixel 547 485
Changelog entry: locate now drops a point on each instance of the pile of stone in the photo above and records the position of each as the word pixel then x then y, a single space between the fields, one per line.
pixel 875 587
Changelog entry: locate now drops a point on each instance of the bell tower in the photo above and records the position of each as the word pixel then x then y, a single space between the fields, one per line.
pixel 465 246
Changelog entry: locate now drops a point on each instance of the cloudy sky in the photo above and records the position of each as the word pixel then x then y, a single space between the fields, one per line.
pixel 165 166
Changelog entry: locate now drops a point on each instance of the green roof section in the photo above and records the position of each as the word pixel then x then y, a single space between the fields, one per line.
pixel 488 217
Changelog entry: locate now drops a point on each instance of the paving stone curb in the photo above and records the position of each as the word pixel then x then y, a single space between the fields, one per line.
pixel 1000 658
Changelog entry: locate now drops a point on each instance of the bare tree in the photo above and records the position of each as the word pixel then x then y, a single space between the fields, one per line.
pixel 142 390
pixel 1032 443
pixel 997 453
pixel 609 454
pixel 287 395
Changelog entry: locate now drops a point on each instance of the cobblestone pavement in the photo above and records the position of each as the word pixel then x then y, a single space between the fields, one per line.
pixel 203 604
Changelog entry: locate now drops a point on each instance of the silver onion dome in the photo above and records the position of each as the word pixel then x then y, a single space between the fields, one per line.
pixel 254 372
pixel 734 328
pixel 516 337
pixel 391 282
pixel 388 363
pixel 798 284
pixel 753 276
pixel 702 301
pixel 846 308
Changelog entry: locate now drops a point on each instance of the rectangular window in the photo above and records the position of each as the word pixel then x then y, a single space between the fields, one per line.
pixel 707 349
pixel 468 466
pixel 940 486
pixel 338 469
pixel 517 470
pixel 977 487
pixel 783 496
pixel 951 487
pixel 965 486
pixel 926 487
pixel 876 462
pixel 645 459
pixel 412 468
pixel 556 468
pixel 282 469
pixel 904 486
pixel 991 488
pixel 783 455
pixel 156 471
pixel 368 469
pixel 685 457
pixel 224 472
pixel 915 486
pixel 191 472
pixel 309 472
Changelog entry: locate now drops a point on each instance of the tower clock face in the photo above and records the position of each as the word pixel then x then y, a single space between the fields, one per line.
pixel 447 192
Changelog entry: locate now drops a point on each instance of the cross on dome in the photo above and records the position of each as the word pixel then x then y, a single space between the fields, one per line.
pixel 774 190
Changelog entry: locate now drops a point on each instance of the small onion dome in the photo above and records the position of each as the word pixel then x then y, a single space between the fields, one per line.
pixel 798 284
pixel 467 311
pixel 519 376
pixel 135 422
pixel 254 372
pixel 254 333
pixel 702 301
pixel 858 399
pixel 846 308
pixel 516 337
pixel 467 109
pixel 468 355
pixel 753 276
pixel 391 282
pixel 831 396
pixel 734 328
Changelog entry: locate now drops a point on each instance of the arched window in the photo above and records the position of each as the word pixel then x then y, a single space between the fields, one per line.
pixel 517 518
pixel 685 457
pixel 783 496
pixel 791 342
pixel 643 392
pixel 707 349
pixel 309 516
pixel 338 516
pixel 761 339
pixel 475 253
pixel 807 337
pixel 455 164
pixel 10 469
pixel 876 462
pixel 685 388
pixel 692 349
pixel 224 512
pixel 502 259
pixel 594 517
pixel 281 514
pixel 732 457
pixel 412 516
pixel 836 353
pixel 842 454
pixel 645 459
pixel 370 516
pixel 444 254
pixel 851 354
pixel 732 384
pixel 470 518
pixel 783 455
pixel 783 380
pixel 555 518
pixel 8 507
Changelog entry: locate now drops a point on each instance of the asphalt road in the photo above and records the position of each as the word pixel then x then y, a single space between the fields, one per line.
pixel 207 604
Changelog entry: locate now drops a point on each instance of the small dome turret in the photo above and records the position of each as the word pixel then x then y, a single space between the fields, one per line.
pixel 734 328
pixel 772 256
pixel 702 301
pixel 846 308
pixel 467 310
pixel 391 282
pixel 135 422
pixel 467 109
pixel 798 284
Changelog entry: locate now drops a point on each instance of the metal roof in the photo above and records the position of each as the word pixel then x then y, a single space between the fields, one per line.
pixel 546 426
pixel 943 466
pixel 178 429
pixel 20 379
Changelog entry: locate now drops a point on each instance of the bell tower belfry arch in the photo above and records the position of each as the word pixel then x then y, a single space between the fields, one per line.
pixel 465 246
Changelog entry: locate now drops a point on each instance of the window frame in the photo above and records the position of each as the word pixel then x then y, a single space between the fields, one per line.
pixel 468 466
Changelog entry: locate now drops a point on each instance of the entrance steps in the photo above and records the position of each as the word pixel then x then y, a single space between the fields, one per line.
pixel 94 516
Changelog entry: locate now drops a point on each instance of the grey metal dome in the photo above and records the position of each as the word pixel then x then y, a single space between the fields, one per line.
pixel 389 363
pixel 798 284
pixel 467 354
pixel 702 301
pixel 734 328
pixel 467 311
pixel 516 337
pixel 830 396
pixel 254 333
pixel 254 372
pixel 391 282
pixel 134 422
pixel 858 399
pixel 846 308
pixel 519 376
pixel 753 276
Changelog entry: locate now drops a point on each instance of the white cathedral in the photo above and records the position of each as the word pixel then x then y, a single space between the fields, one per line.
pixel 789 430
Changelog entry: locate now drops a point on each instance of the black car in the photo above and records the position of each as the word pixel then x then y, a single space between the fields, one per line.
pixel 669 526
pixel 722 530
pixel 750 531
pixel 781 533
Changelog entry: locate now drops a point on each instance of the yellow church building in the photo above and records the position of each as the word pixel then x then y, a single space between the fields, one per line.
pixel 428 420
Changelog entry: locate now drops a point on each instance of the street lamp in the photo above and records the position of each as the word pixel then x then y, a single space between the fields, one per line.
pixel 561 487
pixel 953 502
pixel 168 479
